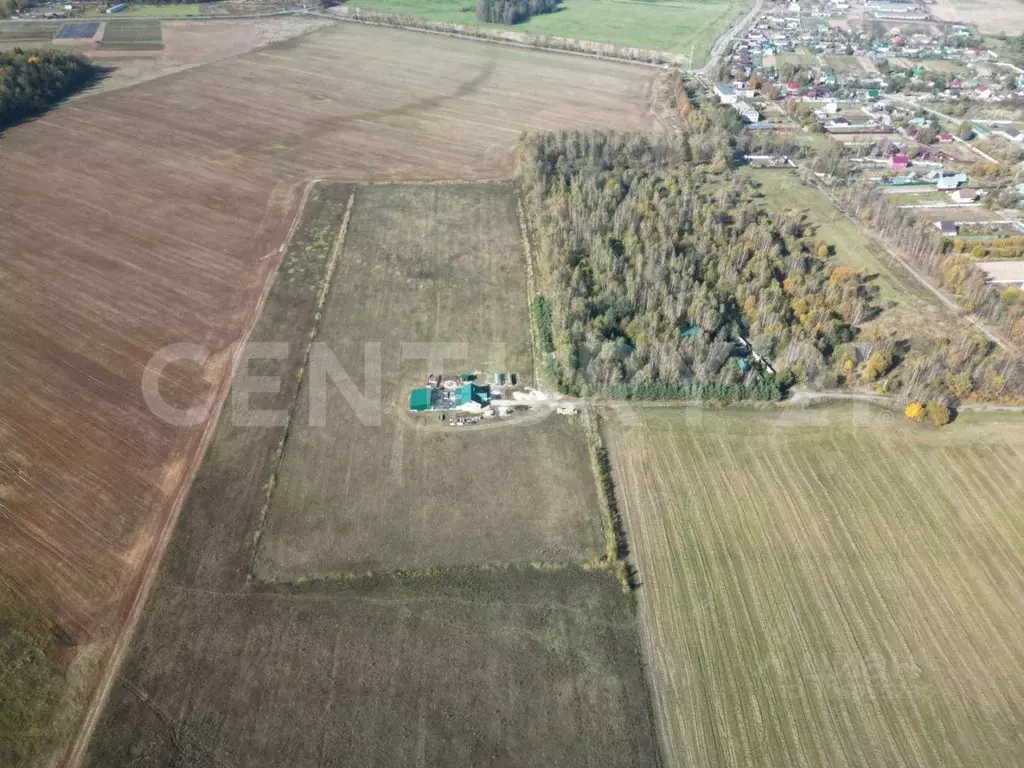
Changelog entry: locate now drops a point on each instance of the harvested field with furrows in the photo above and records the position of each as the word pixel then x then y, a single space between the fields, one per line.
pixel 426 264
pixel 174 198
pixel 516 668
pixel 829 587
pixel 451 666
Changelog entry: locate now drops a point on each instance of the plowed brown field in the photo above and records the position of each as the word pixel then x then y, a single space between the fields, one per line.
pixel 151 215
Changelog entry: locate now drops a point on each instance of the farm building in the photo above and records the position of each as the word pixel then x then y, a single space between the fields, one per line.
pixel 899 162
pixel 747 111
pixel 420 399
pixel 964 195
pixel 948 228
pixel 462 397
pixel 726 94
pixel 946 180
pixel 1004 272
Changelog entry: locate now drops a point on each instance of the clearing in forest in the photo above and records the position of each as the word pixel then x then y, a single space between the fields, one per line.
pixel 829 587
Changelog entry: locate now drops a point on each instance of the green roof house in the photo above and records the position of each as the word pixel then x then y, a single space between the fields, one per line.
pixel 419 399
pixel 471 393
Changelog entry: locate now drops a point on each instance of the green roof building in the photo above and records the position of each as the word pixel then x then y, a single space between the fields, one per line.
pixel 419 399
pixel 469 393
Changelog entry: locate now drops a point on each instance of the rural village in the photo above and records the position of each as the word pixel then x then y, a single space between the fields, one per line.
pixel 518 383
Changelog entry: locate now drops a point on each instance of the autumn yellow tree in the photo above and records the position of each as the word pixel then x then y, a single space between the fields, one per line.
pixel 914 411
pixel 877 365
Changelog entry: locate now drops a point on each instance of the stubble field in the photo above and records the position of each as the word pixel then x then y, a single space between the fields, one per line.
pixel 174 197
pixel 829 587
pixel 427 265
pixel 503 665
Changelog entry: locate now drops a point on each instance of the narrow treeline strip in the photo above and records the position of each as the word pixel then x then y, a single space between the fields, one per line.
pixel 616 541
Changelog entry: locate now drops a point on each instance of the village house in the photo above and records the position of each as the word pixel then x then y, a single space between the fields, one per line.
pixel 726 94
pixel 747 111
pixel 899 162
pixel 964 195
pixel 1010 134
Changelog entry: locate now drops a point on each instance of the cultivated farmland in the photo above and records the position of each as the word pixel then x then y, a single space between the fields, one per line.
pixel 451 666
pixel 28 31
pixel 513 669
pixel 170 228
pixel 437 264
pixel 829 588
pixel 132 35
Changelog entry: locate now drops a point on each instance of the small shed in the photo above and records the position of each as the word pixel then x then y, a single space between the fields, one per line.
pixel 964 195
pixel 899 162
pixel 948 228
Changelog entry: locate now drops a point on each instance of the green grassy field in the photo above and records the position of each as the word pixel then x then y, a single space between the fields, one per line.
pixel 26 31
pixel 30 677
pixel 675 26
pixel 133 35
pixel 835 587
pixel 418 268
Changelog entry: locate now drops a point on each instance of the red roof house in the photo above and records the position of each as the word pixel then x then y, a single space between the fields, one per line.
pixel 793 87
pixel 945 138
pixel 899 162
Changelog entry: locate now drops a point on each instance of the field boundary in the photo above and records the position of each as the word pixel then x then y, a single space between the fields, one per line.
pixel 644 57
pixel 616 541
pixel 531 291
pixel 408 575
pixel 275 462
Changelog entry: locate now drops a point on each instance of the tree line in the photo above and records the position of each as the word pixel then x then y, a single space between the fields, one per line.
pixel 512 11
pixel 653 266
pixel 938 258
pixel 33 81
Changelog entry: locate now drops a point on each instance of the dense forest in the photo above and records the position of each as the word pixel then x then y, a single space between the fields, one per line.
pixel 33 81
pixel 654 269
pixel 512 11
